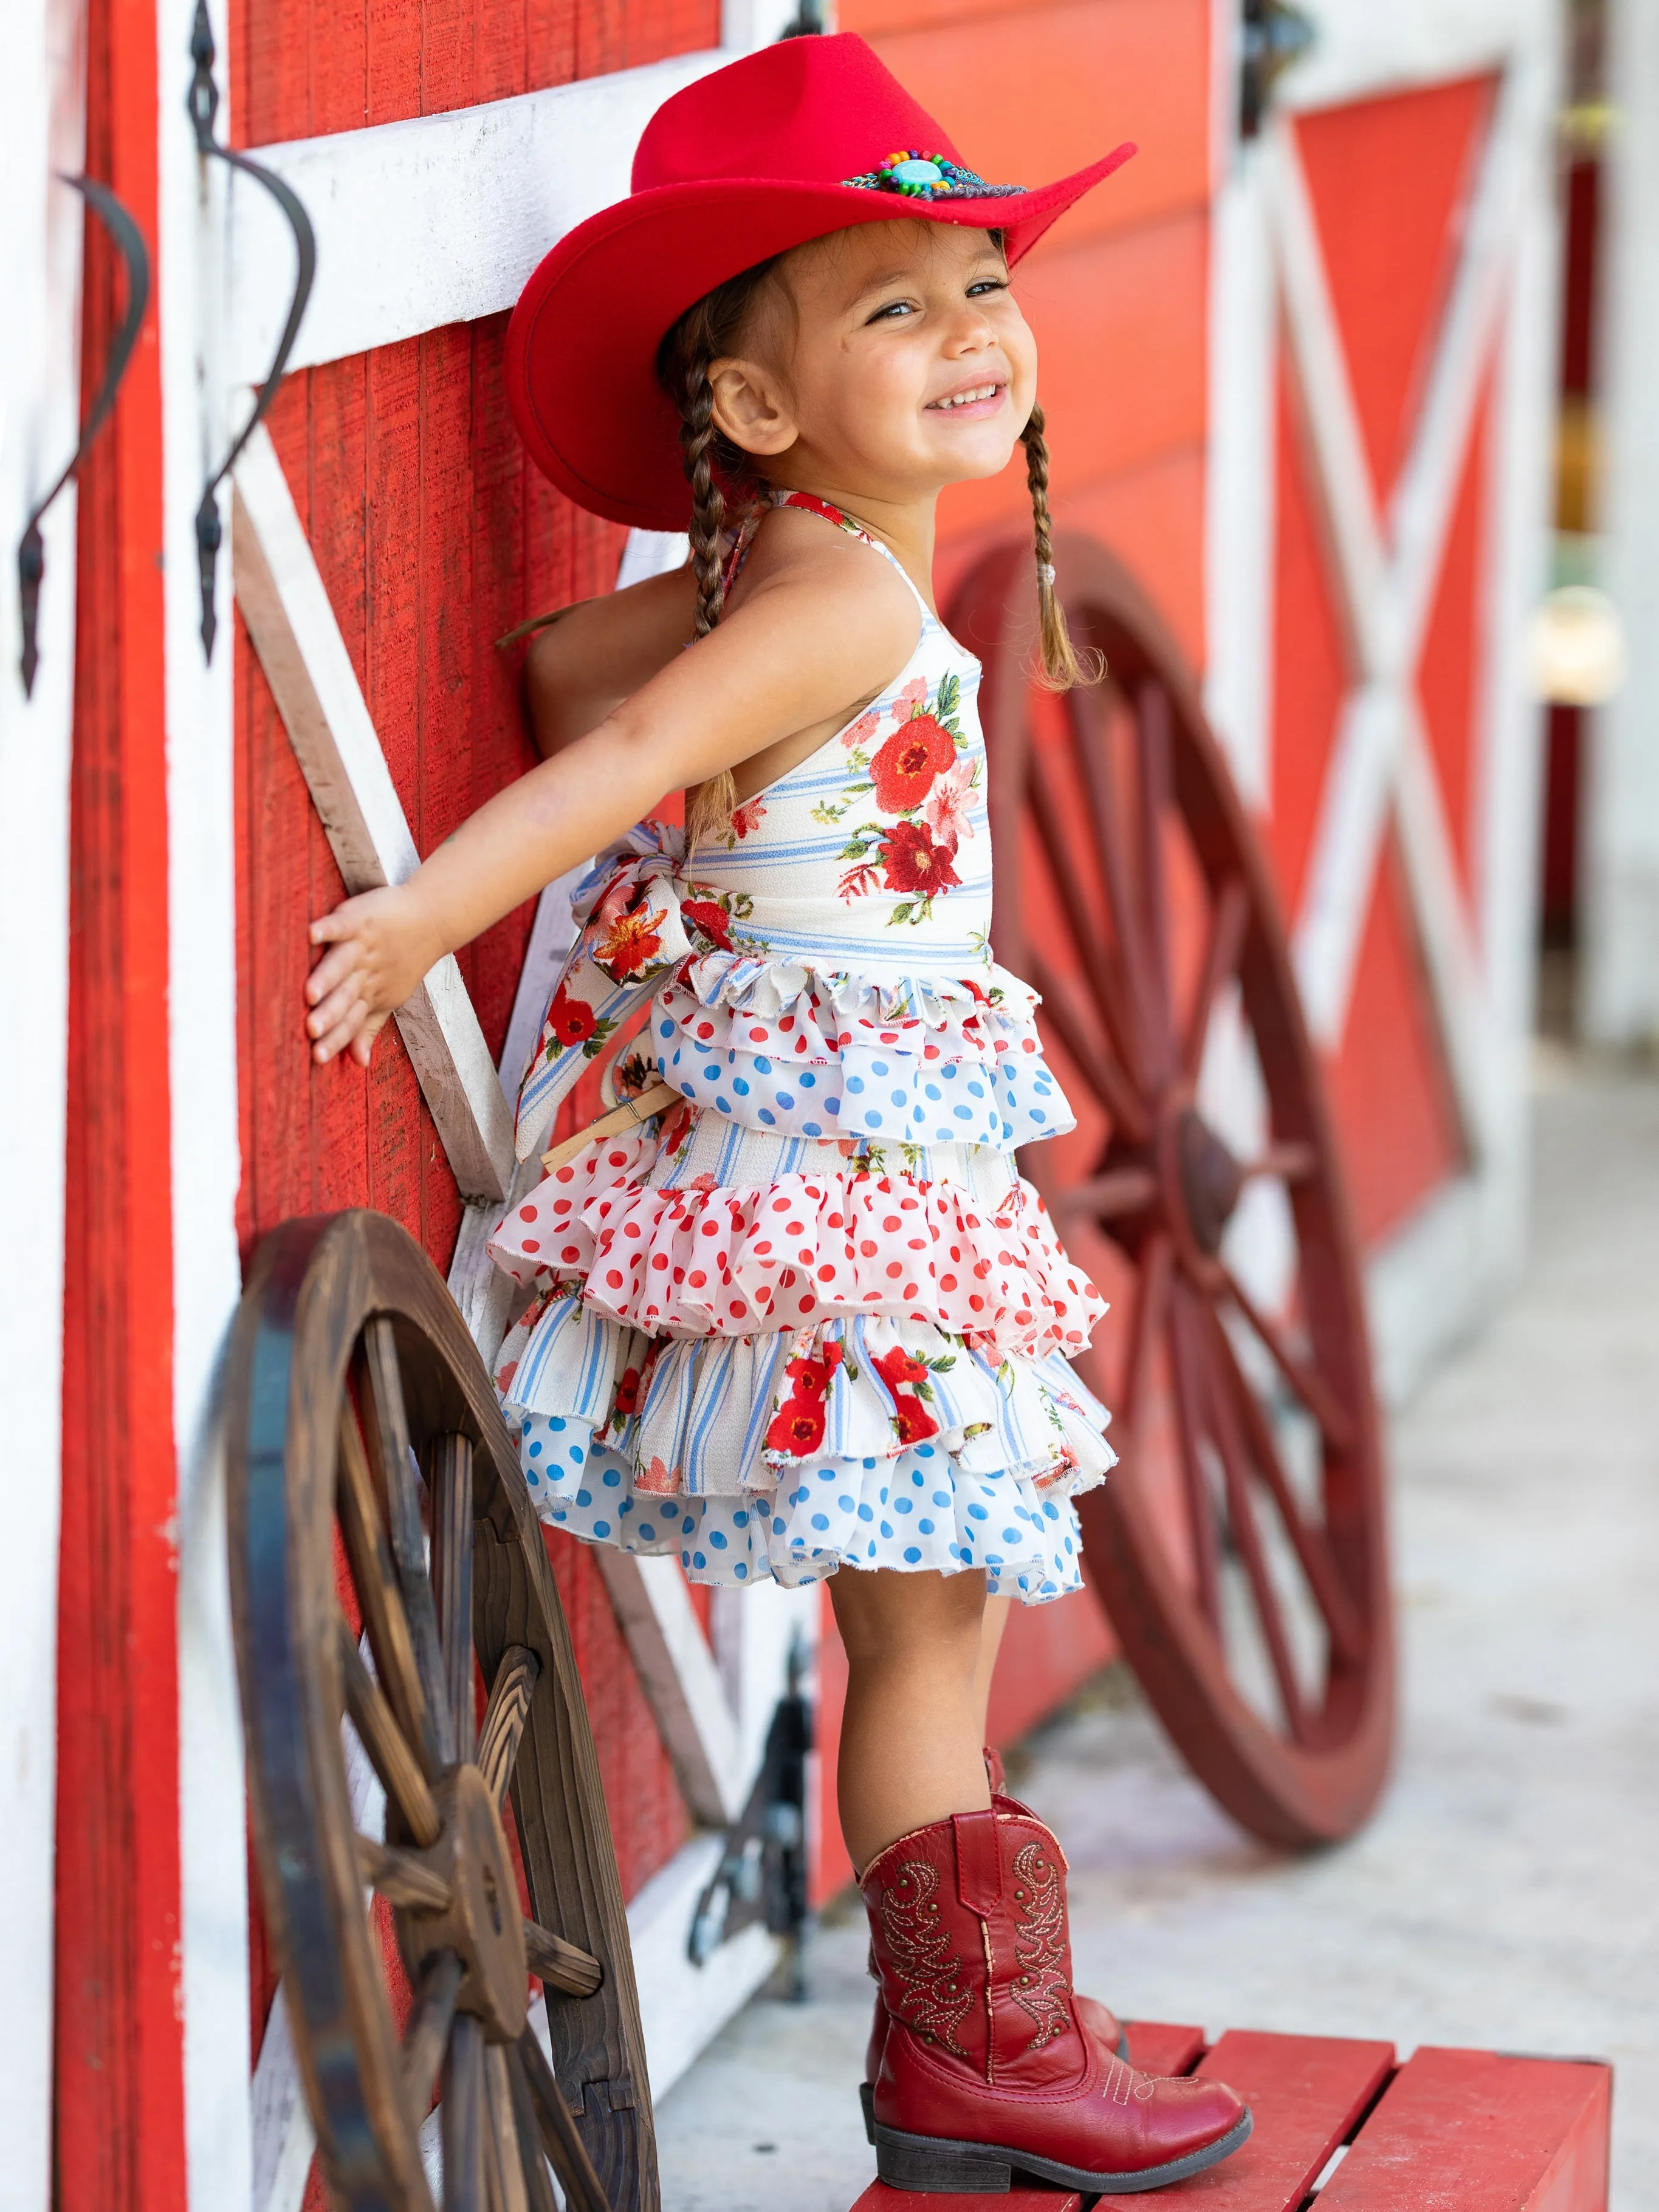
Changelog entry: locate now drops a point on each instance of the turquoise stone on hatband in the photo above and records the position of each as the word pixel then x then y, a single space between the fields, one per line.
pixel 921 176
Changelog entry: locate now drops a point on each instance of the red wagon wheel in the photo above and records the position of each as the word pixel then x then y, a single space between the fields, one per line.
pixel 1239 1548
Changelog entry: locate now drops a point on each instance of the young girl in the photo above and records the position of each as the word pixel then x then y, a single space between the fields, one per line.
pixel 805 1320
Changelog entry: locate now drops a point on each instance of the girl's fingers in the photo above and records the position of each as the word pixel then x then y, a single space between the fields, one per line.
pixel 336 1007
pixel 363 1043
pixel 333 969
pixel 341 1034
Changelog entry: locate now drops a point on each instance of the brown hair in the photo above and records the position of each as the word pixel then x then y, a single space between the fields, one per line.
pixel 721 474
pixel 718 473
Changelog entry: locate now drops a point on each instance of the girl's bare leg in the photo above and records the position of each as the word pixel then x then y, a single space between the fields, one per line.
pixel 990 1636
pixel 913 1729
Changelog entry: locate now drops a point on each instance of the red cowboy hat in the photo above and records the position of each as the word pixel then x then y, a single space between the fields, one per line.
pixel 807 136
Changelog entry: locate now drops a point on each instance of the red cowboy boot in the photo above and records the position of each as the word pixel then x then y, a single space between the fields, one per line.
pixel 1099 2023
pixel 987 2072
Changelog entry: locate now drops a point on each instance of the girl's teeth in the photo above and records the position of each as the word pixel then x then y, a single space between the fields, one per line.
pixel 969 399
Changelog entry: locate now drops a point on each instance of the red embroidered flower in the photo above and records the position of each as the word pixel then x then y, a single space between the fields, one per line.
pixel 710 920
pixel 811 1377
pixel 627 1392
pixel 904 770
pixel 898 1368
pixel 914 863
pixel 797 1427
pixel 912 1423
pixel 630 943
pixel 571 1020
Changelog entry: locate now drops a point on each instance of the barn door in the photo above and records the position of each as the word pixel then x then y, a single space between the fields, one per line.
pixel 386 530
pixel 1382 297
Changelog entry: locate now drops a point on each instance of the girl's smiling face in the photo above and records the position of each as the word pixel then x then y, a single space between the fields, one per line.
pixel 886 362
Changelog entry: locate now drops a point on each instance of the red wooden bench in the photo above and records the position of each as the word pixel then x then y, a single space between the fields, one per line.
pixel 1448 2131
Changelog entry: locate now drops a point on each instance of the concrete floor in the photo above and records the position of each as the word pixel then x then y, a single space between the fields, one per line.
pixel 1507 1893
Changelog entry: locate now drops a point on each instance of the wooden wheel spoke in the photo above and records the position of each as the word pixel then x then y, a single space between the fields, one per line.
pixel 388 1424
pixel 427 2036
pixel 1294 1162
pixel 532 2158
pixel 566 2152
pixel 1230 918
pixel 464 2118
pixel 375 1577
pixel 1306 1381
pixel 504 1716
pixel 1152 716
pixel 1241 1518
pixel 1318 1564
pixel 1187 1362
pixel 1093 737
pixel 1157 1268
pixel 503 2163
pixel 400 1877
pixel 1107 1080
pixel 452 1573
pixel 1107 1197
pixel 562 1966
pixel 388 1752
pixel 1099 962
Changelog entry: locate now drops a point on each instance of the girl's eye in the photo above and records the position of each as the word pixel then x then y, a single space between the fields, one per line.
pixel 893 308
pixel 987 284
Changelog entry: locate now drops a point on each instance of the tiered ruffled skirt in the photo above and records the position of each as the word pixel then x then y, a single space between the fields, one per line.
pixel 782 1355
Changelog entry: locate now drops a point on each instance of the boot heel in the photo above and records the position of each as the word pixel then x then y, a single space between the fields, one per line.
pixel 936 2167
pixel 867 2099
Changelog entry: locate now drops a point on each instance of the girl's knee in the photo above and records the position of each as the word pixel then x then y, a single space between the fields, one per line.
pixel 885 1615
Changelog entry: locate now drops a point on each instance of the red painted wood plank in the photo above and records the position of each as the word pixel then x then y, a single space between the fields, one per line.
pixel 1159 2046
pixel 1305 2092
pixel 878 2198
pixel 1475 2131
pixel 118 2092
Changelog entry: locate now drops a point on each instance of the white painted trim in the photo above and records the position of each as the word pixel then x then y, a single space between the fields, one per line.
pixel 678 1673
pixel 683 2005
pixel 1618 851
pixel 1242 480
pixel 438 220
pixel 205 1151
pixel 41 132
pixel 1364 47
pixel 285 605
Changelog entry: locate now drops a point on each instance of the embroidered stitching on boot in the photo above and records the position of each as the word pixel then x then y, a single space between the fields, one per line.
pixel 935 1993
pixel 1041 1988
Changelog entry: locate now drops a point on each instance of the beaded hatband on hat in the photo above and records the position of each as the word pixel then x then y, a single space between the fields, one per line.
pixel 929 177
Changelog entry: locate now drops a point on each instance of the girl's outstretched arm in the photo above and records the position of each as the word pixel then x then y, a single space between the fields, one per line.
pixel 828 626
pixel 582 667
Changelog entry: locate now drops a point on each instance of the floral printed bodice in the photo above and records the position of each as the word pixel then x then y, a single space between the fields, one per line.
pixel 876 846
pixel 822 969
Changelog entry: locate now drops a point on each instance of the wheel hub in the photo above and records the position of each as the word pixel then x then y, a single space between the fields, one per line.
pixel 1207 1175
pixel 483 1925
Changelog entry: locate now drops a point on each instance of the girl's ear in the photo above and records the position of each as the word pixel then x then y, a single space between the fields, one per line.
pixel 750 407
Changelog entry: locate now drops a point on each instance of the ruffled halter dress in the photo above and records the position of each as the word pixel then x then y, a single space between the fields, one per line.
pixel 811 1317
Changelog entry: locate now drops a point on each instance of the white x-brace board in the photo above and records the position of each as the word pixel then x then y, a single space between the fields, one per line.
pixel 420 224
pixel 1270 288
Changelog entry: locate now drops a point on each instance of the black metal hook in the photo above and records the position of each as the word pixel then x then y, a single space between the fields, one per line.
pixel 203 107
pixel 1276 34
pixel 129 243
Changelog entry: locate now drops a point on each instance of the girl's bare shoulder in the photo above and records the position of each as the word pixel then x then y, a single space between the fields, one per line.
pixel 840 579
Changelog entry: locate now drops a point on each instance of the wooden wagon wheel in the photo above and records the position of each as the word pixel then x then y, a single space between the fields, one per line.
pixel 1240 1549
pixel 362 1428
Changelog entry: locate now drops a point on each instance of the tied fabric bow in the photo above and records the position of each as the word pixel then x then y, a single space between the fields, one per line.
pixel 630 934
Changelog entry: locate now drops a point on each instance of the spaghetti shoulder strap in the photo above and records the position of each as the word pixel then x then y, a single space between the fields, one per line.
pixel 811 504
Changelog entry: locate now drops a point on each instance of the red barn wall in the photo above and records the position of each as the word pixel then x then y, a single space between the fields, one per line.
pixel 434 535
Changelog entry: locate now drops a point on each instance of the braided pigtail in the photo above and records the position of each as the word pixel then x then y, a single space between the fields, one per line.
pixel 721 476
pixel 1062 665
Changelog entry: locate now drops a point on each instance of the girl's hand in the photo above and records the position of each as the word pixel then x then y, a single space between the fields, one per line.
pixel 383 944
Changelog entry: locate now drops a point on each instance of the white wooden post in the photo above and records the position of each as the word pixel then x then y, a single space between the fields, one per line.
pixel 1619 902
pixel 42 117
